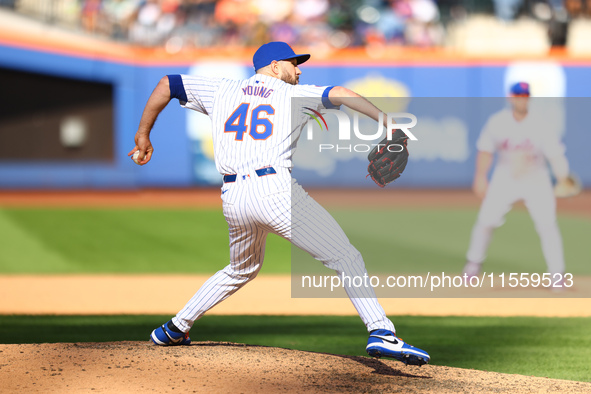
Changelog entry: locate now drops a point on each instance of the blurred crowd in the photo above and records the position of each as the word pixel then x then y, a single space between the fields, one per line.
pixel 202 23
pixel 179 24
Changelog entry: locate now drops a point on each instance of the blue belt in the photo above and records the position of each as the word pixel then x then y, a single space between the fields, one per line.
pixel 260 172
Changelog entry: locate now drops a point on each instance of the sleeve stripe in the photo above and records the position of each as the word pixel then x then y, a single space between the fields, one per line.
pixel 177 90
pixel 326 101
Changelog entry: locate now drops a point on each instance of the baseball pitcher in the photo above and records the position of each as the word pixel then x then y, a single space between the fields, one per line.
pixel 255 131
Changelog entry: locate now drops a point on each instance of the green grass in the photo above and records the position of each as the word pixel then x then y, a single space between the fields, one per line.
pixel 432 240
pixel 120 241
pixel 196 241
pixel 552 347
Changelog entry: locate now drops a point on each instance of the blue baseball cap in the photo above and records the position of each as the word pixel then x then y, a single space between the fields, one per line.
pixel 520 89
pixel 276 50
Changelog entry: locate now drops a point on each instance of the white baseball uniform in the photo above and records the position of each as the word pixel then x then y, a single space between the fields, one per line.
pixel 255 132
pixel 521 173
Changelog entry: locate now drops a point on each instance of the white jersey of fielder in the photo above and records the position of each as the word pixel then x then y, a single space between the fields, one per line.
pixel 251 126
pixel 522 146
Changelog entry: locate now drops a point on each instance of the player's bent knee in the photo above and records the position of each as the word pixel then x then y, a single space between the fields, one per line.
pixel 243 274
pixel 349 259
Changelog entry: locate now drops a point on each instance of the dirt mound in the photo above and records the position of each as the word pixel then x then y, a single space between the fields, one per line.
pixel 228 367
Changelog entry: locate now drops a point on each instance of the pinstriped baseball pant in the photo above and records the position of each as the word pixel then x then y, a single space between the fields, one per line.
pixel 256 207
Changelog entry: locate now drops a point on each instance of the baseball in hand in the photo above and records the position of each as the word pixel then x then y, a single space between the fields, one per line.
pixel 136 156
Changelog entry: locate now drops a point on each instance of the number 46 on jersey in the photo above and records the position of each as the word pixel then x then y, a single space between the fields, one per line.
pixel 255 122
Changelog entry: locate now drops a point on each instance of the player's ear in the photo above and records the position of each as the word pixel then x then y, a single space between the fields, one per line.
pixel 275 67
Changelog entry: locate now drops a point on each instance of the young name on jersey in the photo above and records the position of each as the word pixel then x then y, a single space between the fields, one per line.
pixel 257 91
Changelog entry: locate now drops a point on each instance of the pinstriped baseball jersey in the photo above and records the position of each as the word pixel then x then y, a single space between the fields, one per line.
pixel 256 125
pixel 252 118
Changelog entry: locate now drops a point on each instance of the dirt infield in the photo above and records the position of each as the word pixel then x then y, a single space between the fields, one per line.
pixel 227 367
pixel 166 294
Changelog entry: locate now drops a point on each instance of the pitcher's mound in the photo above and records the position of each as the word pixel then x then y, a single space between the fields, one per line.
pixel 227 367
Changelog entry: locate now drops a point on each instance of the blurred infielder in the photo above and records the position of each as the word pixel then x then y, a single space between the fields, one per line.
pixel 255 131
pixel 523 143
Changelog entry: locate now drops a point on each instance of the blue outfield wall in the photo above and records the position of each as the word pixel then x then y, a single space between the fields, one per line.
pixel 180 137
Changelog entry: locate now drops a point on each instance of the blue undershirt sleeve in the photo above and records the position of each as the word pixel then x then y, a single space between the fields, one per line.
pixel 177 89
pixel 326 101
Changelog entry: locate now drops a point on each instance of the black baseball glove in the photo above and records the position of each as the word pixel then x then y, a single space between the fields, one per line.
pixel 388 159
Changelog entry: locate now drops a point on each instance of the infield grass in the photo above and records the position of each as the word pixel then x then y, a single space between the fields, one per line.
pixel 120 241
pixel 548 347
pixel 196 241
